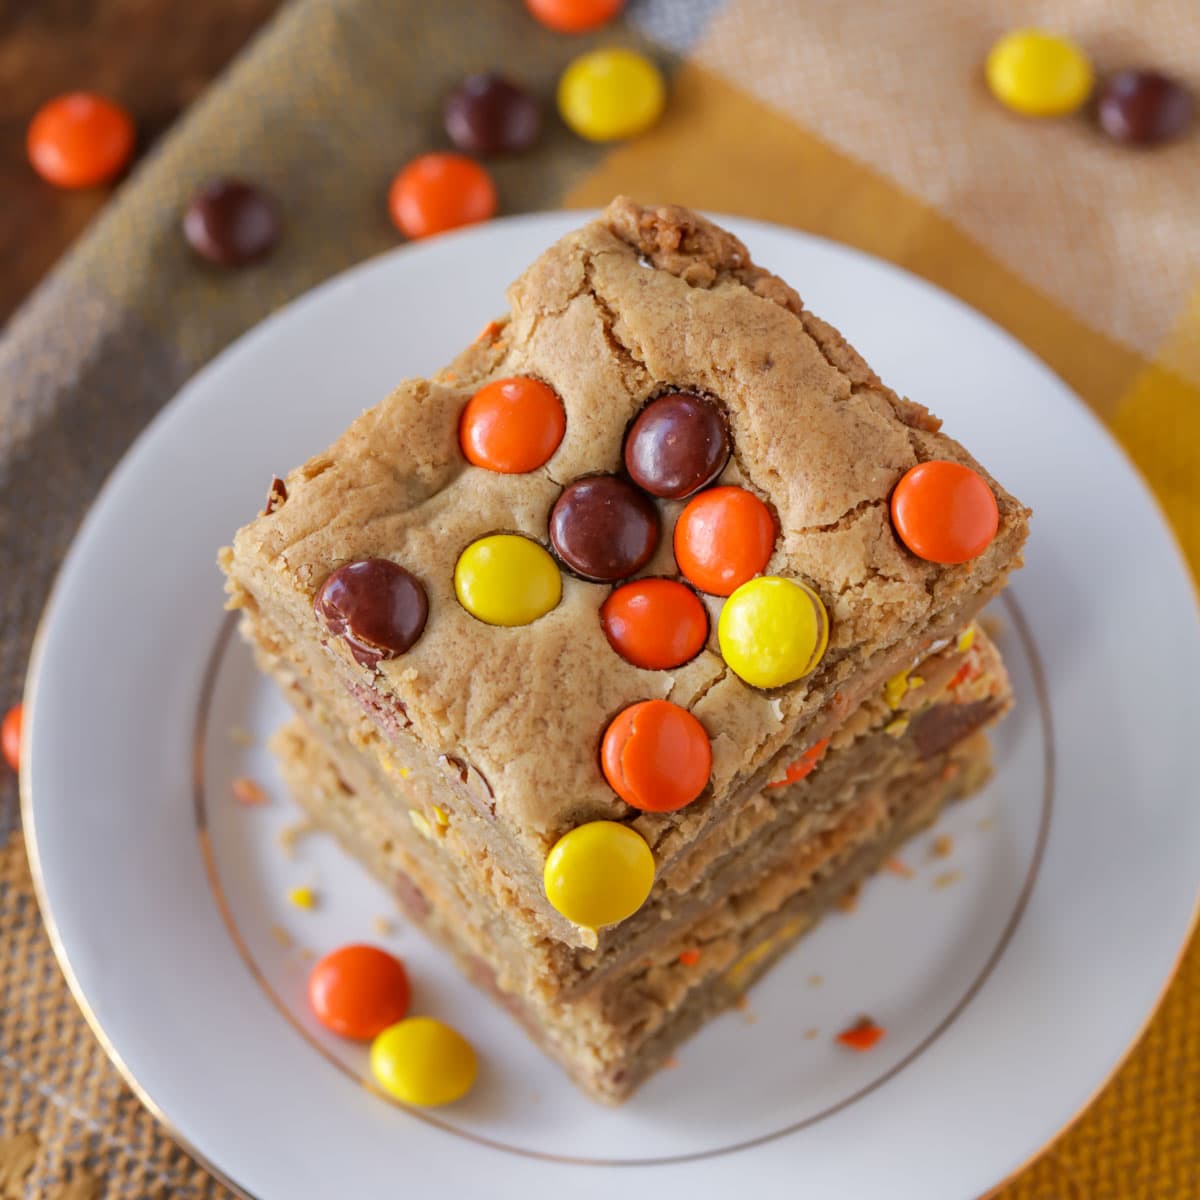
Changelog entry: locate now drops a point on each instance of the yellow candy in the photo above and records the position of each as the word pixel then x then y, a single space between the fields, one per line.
pixel 599 873
pixel 303 897
pixel 966 639
pixel 773 631
pixel 1038 73
pixel 610 94
pixel 507 580
pixel 421 1061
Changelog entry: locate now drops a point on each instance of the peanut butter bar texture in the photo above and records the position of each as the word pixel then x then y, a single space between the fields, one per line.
pixel 654 591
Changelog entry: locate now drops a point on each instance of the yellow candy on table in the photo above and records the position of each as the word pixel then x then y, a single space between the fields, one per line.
pixel 505 579
pixel 599 873
pixel 611 94
pixel 773 631
pixel 423 1062
pixel 1038 74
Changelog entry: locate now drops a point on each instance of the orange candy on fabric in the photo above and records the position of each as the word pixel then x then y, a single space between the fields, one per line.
pixel 358 991
pixel 512 425
pixel 656 756
pixel 79 140
pixel 722 538
pixel 574 16
pixel 10 736
pixel 944 512
pixel 440 191
pixel 655 624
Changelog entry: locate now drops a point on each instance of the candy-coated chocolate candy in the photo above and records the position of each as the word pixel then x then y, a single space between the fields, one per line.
pixel 599 873
pixel 655 624
pixel 358 991
pixel 574 16
pixel 722 538
pixel 656 756
pixel 611 94
pixel 1038 74
pixel 512 425
pixel 677 445
pixel 421 1061
pixel 10 736
pixel 377 606
pixel 506 579
pixel 231 223
pixel 1143 107
pixel 488 114
pixel 773 631
pixel 603 528
pixel 436 192
pixel 79 140
pixel 944 512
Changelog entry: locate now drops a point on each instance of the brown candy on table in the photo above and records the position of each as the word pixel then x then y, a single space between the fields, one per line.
pixel 377 606
pixel 1143 107
pixel 677 445
pixel 231 223
pixel 603 528
pixel 488 114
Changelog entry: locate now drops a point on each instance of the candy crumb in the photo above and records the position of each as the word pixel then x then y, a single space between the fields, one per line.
pixel 815 980
pixel 282 936
pixel 240 737
pixel 847 902
pixel 943 846
pixel 966 640
pixel 382 926
pixel 862 1035
pixel 898 867
pixel 947 879
pixel 896 727
pixel 246 791
pixel 689 958
pixel 289 836
pixel 303 897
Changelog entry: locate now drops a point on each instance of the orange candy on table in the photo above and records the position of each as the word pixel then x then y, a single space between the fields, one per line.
pixel 79 140
pixel 722 538
pixel 10 736
pixel 512 425
pixel 574 16
pixel 655 624
pixel 440 191
pixel 358 991
pixel 656 756
pixel 944 512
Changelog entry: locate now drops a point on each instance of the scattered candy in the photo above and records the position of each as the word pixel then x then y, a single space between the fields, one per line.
pixel 802 767
pixel 862 1035
pixel 897 727
pixel 505 579
pixel 611 94
pixel 604 528
pixel 423 1062
pixel 10 736
pixel 303 897
pixel 512 425
pixel 677 445
pixel 1038 74
pixel 723 538
pixel 599 873
pixel 246 791
pixel 899 867
pixel 966 640
pixel 944 512
pixel 574 16
pixel 488 114
pixel 79 140
pixel 655 624
pixel 943 846
pixel 773 631
pixel 233 224
pixel 436 192
pixel 689 958
pixel 376 606
pixel 656 756
pixel 358 991
pixel 896 688
pixel 1143 107
pixel 947 879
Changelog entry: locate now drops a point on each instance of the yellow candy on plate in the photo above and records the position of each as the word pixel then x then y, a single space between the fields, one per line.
pixel 421 1061
pixel 611 94
pixel 1038 74
pixel 599 873
pixel 773 631
pixel 505 579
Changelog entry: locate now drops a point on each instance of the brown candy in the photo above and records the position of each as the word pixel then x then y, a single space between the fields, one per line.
pixel 677 445
pixel 377 606
pixel 231 223
pixel 603 528
pixel 488 114
pixel 1143 107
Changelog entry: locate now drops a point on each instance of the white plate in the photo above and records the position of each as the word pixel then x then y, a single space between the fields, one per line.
pixel 1009 996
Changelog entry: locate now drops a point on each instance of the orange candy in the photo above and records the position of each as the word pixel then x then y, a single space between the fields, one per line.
pixel 436 192
pixel 655 624
pixel 574 16
pixel 79 140
pixel 802 767
pixel 944 512
pixel 722 538
pixel 512 425
pixel 358 991
pixel 10 736
pixel 656 756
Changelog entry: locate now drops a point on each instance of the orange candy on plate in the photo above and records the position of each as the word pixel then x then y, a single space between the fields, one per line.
pixel 944 512
pixel 10 736
pixel 574 16
pixel 656 756
pixel 512 425
pixel 655 624
pixel 79 140
pixel 440 191
pixel 722 538
pixel 358 991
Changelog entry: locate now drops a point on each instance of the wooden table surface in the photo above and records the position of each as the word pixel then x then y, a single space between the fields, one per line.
pixel 153 56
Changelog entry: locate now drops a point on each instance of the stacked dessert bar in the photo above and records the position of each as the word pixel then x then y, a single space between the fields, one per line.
pixel 629 642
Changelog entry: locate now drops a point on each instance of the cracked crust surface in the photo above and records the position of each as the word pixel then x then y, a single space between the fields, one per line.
pixel 635 303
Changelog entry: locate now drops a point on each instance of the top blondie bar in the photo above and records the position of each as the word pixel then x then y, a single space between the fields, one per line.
pixel 639 304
